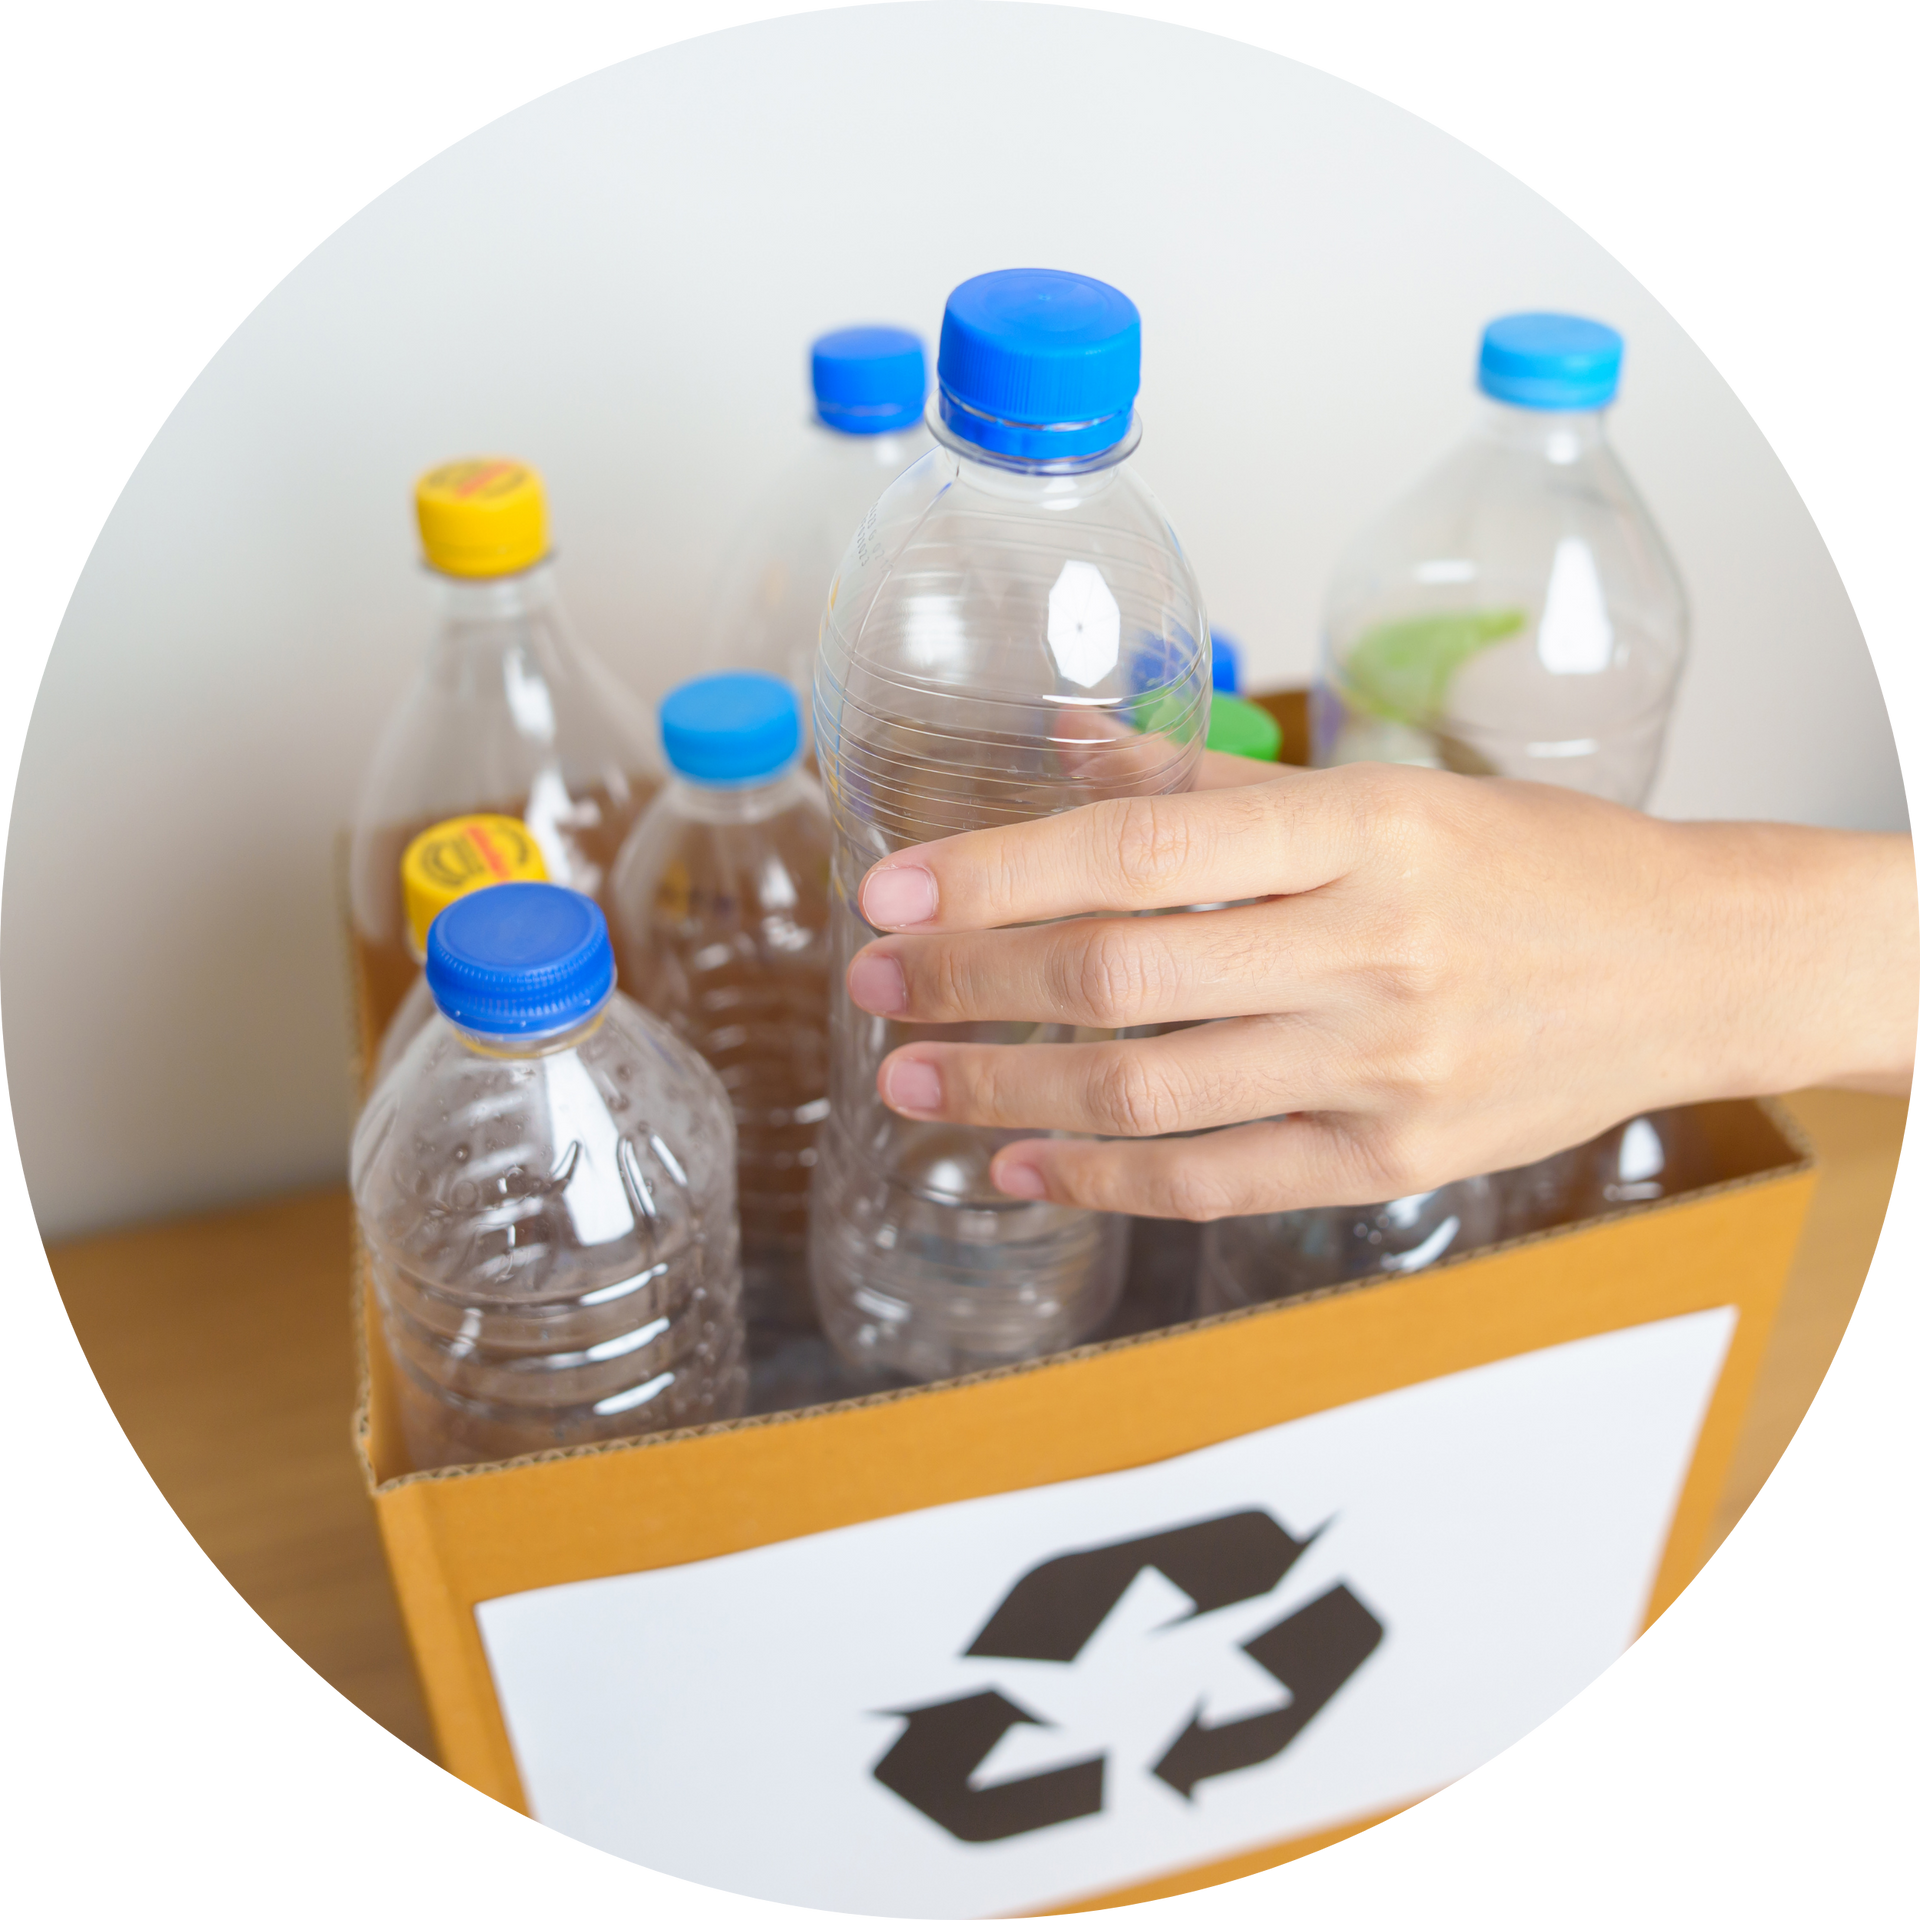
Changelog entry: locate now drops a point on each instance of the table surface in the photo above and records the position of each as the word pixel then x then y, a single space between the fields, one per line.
pixel 223 1344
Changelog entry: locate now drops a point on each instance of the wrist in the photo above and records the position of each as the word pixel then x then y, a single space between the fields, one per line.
pixel 1804 958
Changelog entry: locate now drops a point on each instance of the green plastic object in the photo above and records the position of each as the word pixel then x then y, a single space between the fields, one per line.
pixel 1401 671
pixel 1238 726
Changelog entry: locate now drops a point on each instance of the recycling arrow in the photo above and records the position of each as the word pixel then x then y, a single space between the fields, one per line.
pixel 931 1762
pixel 1054 1609
pixel 1312 1653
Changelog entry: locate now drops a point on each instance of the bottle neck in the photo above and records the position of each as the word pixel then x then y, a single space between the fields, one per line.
pixel 739 805
pixel 504 598
pixel 1559 438
pixel 513 630
pixel 530 1046
pixel 885 452
pixel 1003 472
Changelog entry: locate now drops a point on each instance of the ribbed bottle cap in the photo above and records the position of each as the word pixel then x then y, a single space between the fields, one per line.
pixel 520 959
pixel 481 518
pixel 459 857
pixel 1039 365
pixel 869 379
pixel 1553 361
pixel 1226 663
pixel 730 729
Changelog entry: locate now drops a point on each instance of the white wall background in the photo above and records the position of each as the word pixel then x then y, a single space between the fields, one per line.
pixel 618 283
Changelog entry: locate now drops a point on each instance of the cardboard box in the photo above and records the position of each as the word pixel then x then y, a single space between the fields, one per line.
pixel 1130 1620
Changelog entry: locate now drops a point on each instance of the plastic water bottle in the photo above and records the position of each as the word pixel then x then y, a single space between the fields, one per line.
pixel 869 392
pixel 455 858
pixel 509 715
pixel 1516 613
pixel 1014 631
pixel 545 1188
pixel 720 921
pixel 1272 1256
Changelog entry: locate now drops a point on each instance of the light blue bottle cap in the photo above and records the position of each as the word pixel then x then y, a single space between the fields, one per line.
pixel 1226 663
pixel 730 729
pixel 1039 365
pixel 1553 361
pixel 519 959
pixel 869 379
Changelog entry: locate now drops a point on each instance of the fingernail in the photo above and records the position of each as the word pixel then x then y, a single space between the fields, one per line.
pixel 1020 1180
pixel 899 897
pixel 913 1086
pixel 876 984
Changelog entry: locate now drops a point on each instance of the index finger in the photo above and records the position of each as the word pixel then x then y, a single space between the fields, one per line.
pixel 1281 835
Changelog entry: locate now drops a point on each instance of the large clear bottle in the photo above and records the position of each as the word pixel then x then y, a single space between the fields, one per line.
pixel 869 393
pixel 1517 612
pixel 509 715
pixel 545 1188
pixel 1014 631
pixel 720 925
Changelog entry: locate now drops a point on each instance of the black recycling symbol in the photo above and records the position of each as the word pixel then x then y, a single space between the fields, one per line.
pixel 1054 1609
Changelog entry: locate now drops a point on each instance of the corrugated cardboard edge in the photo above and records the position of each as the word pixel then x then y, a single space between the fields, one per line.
pixel 446 1642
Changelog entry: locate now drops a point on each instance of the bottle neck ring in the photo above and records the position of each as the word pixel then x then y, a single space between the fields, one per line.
pixel 530 1046
pixel 1031 451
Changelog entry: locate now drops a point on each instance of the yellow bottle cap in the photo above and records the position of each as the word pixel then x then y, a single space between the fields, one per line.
pixel 462 856
pixel 480 518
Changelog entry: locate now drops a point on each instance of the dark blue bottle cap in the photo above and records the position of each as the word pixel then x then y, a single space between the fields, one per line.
pixel 1553 361
pixel 519 959
pixel 1226 663
pixel 730 729
pixel 869 379
pixel 1039 365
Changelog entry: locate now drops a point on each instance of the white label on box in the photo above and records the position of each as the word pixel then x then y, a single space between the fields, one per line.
pixel 1010 1702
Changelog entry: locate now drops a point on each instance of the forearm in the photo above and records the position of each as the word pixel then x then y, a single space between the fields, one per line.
pixel 1806 957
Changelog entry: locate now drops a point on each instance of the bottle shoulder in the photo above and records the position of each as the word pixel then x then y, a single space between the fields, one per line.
pixel 698 862
pixel 1493 519
pixel 780 558
pixel 495 701
pixel 477 1172
pixel 1025 585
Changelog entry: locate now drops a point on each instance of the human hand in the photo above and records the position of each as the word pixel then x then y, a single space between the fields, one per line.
pixel 1431 976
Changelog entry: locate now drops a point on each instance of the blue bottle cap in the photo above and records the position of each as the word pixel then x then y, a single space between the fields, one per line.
pixel 522 958
pixel 1039 365
pixel 1226 663
pixel 1553 361
pixel 730 729
pixel 869 379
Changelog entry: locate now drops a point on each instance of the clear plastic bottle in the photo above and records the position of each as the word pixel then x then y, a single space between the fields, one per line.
pixel 1517 612
pixel 869 392
pixel 720 924
pixel 455 857
pixel 510 715
pixel 1014 631
pixel 545 1188
pixel 1272 1256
